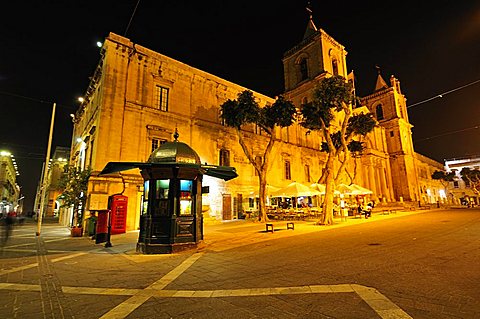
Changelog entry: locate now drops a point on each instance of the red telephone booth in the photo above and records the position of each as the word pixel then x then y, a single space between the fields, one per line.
pixel 118 211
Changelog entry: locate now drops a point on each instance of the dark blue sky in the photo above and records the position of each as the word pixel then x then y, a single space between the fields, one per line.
pixel 48 53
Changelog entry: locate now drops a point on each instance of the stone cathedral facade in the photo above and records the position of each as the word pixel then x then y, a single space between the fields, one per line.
pixel 137 98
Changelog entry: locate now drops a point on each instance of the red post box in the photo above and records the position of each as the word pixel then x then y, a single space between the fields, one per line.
pixel 102 227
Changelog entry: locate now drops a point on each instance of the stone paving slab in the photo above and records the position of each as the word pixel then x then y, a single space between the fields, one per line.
pixel 286 306
pixel 92 306
pixel 218 284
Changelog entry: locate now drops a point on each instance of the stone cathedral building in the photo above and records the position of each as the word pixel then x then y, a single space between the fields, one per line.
pixel 137 98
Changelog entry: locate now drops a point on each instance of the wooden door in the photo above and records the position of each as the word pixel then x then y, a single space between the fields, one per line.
pixel 227 207
pixel 239 206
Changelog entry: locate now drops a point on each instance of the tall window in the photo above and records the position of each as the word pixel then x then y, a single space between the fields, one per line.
pixel 161 98
pixel 81 159
pixel 307 173
pixel 224 158
pixel 334 67
pixel 91 153
pixel 379 111
pixel 288 175
pixel 303 69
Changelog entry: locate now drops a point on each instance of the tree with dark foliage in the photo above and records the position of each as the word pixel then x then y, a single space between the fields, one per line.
pixel 244 111
pixel 331 113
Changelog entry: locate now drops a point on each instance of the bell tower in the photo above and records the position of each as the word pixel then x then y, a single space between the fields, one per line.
pixel 389 107
pixel 318 55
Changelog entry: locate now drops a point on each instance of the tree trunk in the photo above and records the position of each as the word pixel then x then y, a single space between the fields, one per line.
pixel 262 209
pixel 329 193
pixel 445 186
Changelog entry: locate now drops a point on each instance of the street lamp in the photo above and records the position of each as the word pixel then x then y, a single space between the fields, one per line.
pixel 45 173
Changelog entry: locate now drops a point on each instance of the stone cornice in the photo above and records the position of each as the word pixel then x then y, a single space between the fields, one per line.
pixel 301 45
pixel 377 94
pixel 320 33
pixel 428 161
pixel 332 40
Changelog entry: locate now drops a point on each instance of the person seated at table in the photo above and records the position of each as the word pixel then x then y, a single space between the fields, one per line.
pixel 303 204
pixel 368 209
pixel 360 209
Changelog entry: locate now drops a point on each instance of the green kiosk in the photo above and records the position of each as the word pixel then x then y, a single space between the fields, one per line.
pixel 171 216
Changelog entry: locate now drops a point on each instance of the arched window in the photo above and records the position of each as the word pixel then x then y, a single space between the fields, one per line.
pixel 379 112
pixel 334 67
pixel 303 69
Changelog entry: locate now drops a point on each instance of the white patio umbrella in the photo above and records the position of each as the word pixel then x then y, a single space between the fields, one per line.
pixel 295 189
pixel 345 189
pixel 319 187
pixel 269 189
pixel 360 190
pixel 322 188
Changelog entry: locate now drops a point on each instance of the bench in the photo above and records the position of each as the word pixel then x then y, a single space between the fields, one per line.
pixel 389 211
pixel 269 228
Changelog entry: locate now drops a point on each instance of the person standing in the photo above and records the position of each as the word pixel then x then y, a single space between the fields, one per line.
pixel 8 222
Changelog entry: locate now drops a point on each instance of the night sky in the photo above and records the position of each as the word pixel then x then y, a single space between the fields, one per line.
pixel 48 52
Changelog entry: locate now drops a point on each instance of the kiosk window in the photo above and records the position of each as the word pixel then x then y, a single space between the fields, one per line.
pixel 186 197
pixel 162 188
pixel 146 191
pixel 161 197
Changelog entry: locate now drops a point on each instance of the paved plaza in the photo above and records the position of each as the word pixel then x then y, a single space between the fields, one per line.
pixel 417 264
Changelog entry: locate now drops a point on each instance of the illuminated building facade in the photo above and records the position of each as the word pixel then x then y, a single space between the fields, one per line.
pixel 9 189
pixel 55 170
pixel 137 97
pixel 458 189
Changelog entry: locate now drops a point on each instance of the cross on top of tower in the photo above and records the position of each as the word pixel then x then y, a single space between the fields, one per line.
pixel 309 9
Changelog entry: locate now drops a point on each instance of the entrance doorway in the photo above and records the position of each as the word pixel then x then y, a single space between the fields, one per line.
pixel 227 207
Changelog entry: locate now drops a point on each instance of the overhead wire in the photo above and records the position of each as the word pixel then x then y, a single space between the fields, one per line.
pixel 440 96
pixel 449 133
pixel 131 18
pixel 443 94
pixel 36 100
